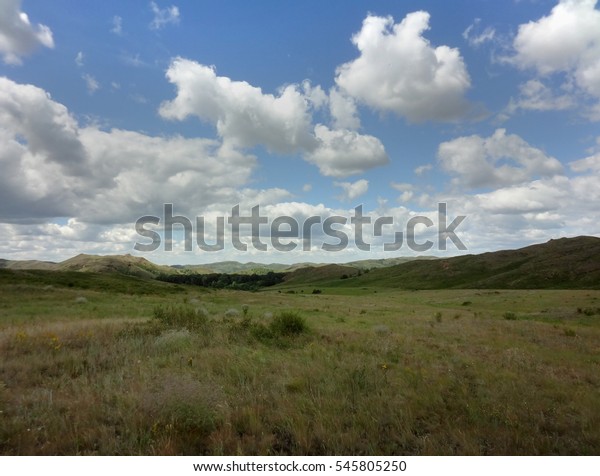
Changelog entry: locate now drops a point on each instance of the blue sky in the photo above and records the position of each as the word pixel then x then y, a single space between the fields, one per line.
pixel 110 109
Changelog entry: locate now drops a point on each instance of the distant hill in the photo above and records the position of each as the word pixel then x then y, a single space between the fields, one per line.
pixel 122 264
pixel 232 267
pixel 318 274
pixel 386 262
pixel 565 263
pixel 28 264
pixel 236 267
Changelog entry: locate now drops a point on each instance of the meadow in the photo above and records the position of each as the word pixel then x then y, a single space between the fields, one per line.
pixel 118 366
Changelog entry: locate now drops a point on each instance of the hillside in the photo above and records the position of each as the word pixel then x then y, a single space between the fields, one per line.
pixel 319 274
pixel 27 264
pixel 565 263
pixel 122 264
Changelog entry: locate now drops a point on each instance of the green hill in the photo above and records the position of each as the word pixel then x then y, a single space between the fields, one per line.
pixel 319 274
pixel 565 263
pixel 122 264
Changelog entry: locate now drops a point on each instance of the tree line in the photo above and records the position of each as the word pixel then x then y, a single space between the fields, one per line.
pixel 245 282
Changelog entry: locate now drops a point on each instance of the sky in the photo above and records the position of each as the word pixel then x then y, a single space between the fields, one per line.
pixel 110 110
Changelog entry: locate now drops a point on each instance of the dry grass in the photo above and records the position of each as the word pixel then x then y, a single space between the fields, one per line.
pixel 389 380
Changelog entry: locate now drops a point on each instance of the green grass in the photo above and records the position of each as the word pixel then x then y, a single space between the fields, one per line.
pixel 170 371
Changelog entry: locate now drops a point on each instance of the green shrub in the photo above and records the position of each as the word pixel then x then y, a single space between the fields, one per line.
pixel 288 324
pixel 510 316
pixel 180 317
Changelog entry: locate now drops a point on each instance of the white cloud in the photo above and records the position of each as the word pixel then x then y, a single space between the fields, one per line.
pixel 398 70
pixel 343 110
pixel 79 59
pixel 54 167
pixel 537 196
pixel 41 155
pixel 243 115
pixel 406 189
pixel 591 163
pixel 91 83
pixel 117 25
pixel 352 190
pixel 163 16
pixel 341 152
pixel 499 160
pixel 536 96
pixel 475 37
pixel 565 41
pixel 18 37
pixel 423 169
pixel 307 187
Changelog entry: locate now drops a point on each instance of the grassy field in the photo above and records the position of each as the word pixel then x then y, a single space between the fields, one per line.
pixel 120 368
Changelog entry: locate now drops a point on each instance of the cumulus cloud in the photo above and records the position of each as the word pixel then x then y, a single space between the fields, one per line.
pixel 591 163
pixel 499 160
pixel 565 41
pixel 245 116
pixel 18 37
pixel 398 70
pixel 352 190
pixel 536 96
pixel 341 152
pixel 537 196
pixel 406 191
pixel 163 16
pixel 343 110
pixel 54 167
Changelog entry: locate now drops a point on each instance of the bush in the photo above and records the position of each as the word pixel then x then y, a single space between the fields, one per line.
pixel 280 330
pixel 316 291
pixel 180 317
pixel 510 316
pixel 288 324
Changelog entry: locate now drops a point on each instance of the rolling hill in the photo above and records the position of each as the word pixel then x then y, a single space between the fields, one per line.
pixel 565 263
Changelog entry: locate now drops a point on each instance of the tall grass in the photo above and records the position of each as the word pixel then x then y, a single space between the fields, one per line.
pixel 289 376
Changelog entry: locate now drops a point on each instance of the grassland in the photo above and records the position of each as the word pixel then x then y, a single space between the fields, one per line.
pixel 115 365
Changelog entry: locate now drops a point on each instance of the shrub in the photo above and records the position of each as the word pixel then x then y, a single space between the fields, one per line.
pixel 288 324
pixel 180 317
pixel 316 291
pixel 510 316
pixel 232 313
